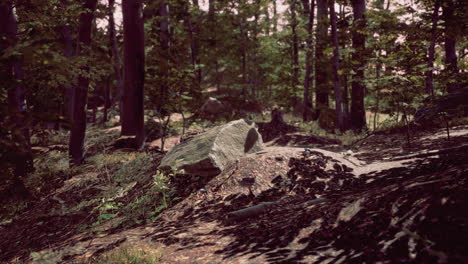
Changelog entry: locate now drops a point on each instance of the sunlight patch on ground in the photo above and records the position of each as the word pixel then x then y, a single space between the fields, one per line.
pixel 443 134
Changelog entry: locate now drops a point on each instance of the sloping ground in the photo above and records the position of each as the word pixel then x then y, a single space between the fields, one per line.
pixel 369 212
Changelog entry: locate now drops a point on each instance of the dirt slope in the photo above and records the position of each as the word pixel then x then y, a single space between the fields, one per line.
pixel 374 210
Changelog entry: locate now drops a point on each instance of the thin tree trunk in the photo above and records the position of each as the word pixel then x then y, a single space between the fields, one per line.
pixel 107 101
pixel 194 32
pixel 80 95
pixel 450 44
pixel 275 18
pixel 115 54
pixel 134 71
pixel 345 77
pixel 244 54
pixel 431 51
pixel 321 62
pixel 213 39
pixel 254 51
pixel 165 43
pixel 267 19
pixel 295 76
pixel 309 13
pixel 358 113
pixel 336 68
pixel 66 33
pixel 346 101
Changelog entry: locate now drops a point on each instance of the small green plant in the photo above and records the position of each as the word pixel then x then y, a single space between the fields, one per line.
pixel 107 210
pixel 156 196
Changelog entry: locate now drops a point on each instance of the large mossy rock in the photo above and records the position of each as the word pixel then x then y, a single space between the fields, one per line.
pixel 207 154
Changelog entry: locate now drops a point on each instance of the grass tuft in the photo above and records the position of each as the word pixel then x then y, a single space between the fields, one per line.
pixel 127 254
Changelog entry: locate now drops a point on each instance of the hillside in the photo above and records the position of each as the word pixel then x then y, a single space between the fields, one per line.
pixel 372 203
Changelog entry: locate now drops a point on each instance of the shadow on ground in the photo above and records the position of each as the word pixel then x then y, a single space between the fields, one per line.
pixel 414 214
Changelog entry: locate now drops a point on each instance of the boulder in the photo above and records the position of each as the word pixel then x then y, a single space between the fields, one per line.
pixel 207 154
pixel 213 109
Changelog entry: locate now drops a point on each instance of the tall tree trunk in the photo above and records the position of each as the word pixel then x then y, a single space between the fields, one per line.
pixel 275 17
pixel 67 39
pixel 115 54
pixel 267 19
pixel 345 75
pixel 107 102
pixel 16 99
pixel 308 13
pixel 194 32
pixel 336 69
pixel 244 36
pixel 321 62
pixel 80 94
pixel 134 70
pixel 165 43
pixel 448 10
pixel 295 54
pixel 213 38
pixel 255 74
pixel 358 113
pixel 431 51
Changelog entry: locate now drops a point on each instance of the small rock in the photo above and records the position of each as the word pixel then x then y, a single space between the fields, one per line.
pixel 279 158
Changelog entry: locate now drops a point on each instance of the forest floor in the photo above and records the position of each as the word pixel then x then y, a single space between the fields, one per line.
pixel 377 200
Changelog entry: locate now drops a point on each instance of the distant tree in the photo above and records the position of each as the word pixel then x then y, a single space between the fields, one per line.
pixel 115 53
pixel 322 75
pixel 431 50
pixel 336 68
pixel 165 54
pixel 80 94
pixel 309 14
pixel 358 113
pixel 450 30
pixel 295 53
pixel 134 70
pixel 66 33
pixel 192 20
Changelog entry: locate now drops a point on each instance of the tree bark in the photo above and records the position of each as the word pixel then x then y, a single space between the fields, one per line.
pixel 244 37
pixel 194 32
pixel 275 18
pixel 80 94
pixel 134 71
pixel 431 50
pixel 336 68
pixel 295 54
pixel 358 113
pixel 115 54
pixel 107 102
pixel 448 12
pixel 165 43
pixel 16 98
pixel 308 13
pixel 66 33
pixel 321 62
pixel 255 74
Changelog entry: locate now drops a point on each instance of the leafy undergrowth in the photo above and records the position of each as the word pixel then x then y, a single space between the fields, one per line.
pixel 114 187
